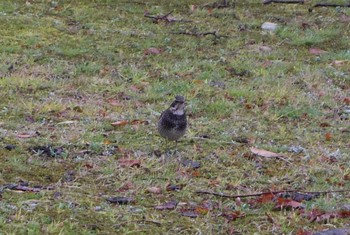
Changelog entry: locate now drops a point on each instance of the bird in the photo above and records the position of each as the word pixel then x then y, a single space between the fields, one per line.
pixel 172 123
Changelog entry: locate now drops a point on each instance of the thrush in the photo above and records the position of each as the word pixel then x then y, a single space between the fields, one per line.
pixel 172 123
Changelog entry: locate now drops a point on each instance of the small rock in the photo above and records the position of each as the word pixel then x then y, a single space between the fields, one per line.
pixel 268 26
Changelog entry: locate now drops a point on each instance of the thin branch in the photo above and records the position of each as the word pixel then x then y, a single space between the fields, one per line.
pixel 199 34
pixel 165 17
pixel 271 192
pixel 243 195
pixel 328 5
pixel 265 2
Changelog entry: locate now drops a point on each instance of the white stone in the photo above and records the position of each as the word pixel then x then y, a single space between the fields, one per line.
pixel 269 26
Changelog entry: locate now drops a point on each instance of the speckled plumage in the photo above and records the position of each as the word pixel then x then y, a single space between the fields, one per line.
pixel 172 123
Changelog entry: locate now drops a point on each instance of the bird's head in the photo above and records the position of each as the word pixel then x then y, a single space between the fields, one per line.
pixel 178 106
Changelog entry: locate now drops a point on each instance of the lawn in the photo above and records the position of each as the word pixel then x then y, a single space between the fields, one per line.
pixel 83 83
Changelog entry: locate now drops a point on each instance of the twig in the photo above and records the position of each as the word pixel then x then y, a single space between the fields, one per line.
pixel 198 34
pixel 271 192
pixel 265 2
pixel 139 221
pixel 243 195
pixel 328 5
pixel 164 17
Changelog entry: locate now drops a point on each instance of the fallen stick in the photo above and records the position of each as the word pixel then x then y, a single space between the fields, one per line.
pixel 328 5
pixel 165 18
pixel 265 2
pixel 272 192
pixel 198 34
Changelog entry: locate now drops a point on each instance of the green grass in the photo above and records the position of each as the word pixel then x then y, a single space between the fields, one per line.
pixel 71 68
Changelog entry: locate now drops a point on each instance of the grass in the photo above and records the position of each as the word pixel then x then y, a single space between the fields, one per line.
pixel 71 68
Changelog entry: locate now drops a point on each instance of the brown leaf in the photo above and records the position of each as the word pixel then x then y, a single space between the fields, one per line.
pixel 264 153
pixel 325 124
pixel 136 121
pixel 125 187
pixel 346 100
pixel 25 136
pixel 120 123
pixel 114 102
pixel 155 190
pixel 265 198
pixel 233 215
pixel 167 206
pixel 127 162
pixel 316 51
pixel 288 204
pixel 152 51
pixel 328 136
pixel 202 210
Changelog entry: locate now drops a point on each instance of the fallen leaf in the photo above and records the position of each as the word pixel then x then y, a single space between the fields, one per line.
pixel 202 210
pixel 127 162
pixel 167 206
pixel 265 198
pixel 325 124
pixel 337 231
pixel 25 136
pixel 346 100
pixel 136 121
pixel 190 213
pixel 340 62
pixel 264 153
pixel 152 51
pixel 190 163
pixel 114 102
pixel 233 215
pixel 120 200
pixel 172 187
pixel 120 123
pixel 287 204
pixel 316 51
pixel 328 136
pixel 155 190
pixel 67 122
pixel 125 187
